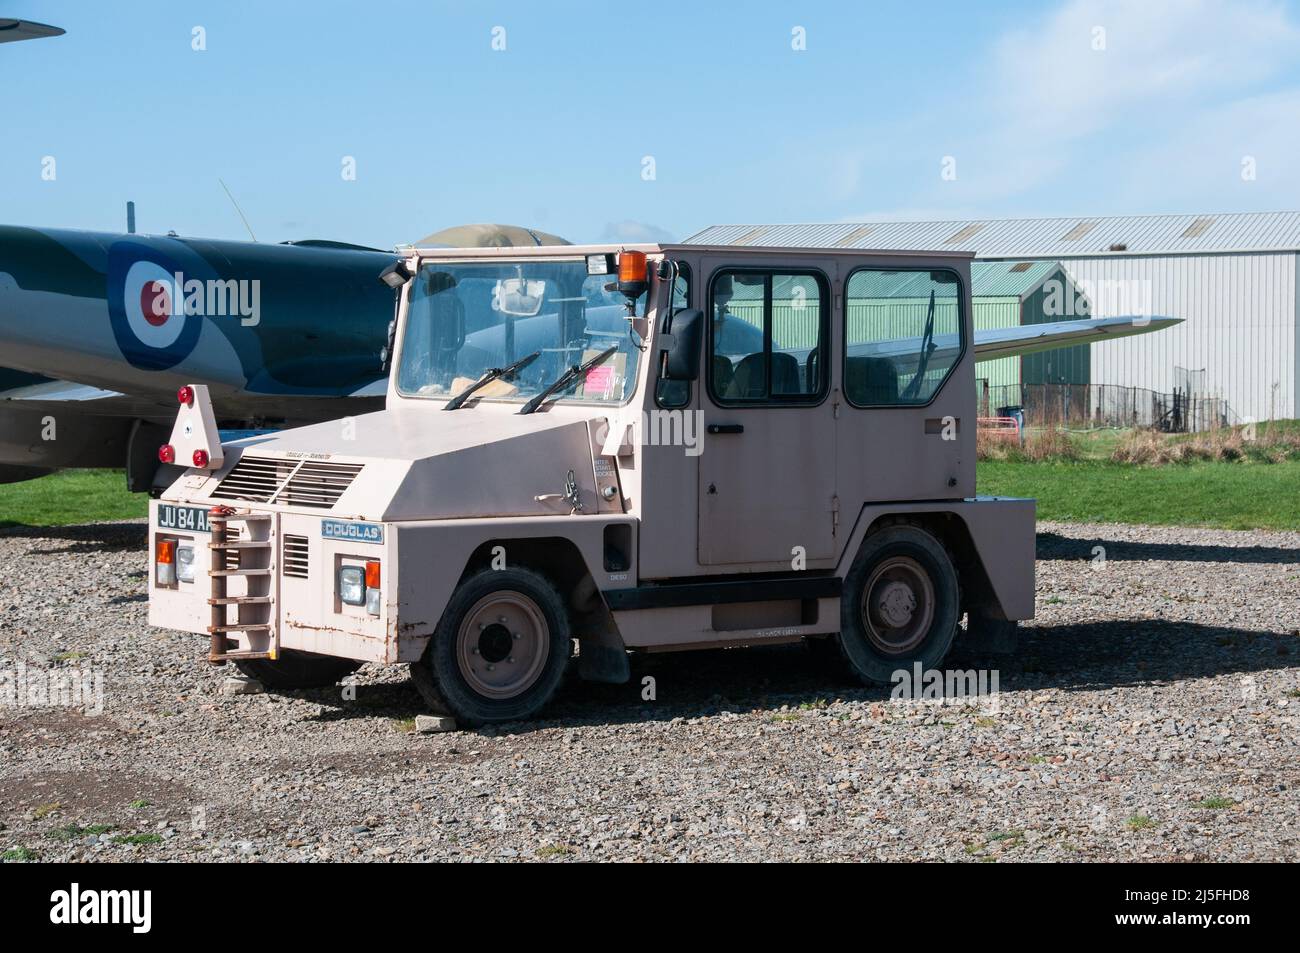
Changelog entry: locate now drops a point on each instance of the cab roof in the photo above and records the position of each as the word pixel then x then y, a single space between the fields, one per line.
pixel 653 250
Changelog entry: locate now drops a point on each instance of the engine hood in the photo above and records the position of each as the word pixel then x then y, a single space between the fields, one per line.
pixel 416 464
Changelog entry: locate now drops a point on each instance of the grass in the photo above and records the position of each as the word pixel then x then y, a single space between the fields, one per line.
pixel 1213 494
pixel 1139 822
pixel 139 803
pixel 77 832
pixel 405 725
pixel 138 839
pixel 70 497
pixel 1217 479
pixel 45 810
pixel 1007 839
pixel 1215 803
pixel 553 850
pixel 19 853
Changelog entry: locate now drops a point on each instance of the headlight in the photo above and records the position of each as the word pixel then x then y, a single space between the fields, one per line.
pixel 185 562
pixel 352 585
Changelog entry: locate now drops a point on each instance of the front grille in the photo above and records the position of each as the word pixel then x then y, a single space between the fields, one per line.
pixel 255 479
pixel 318 484
pixel 295 556
pixel 313 483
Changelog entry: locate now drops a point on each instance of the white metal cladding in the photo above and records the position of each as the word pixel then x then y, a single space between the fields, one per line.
pixel 1240 325
pixel 1035 237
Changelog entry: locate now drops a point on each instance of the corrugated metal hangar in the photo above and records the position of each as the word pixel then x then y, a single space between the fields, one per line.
pixel 1232 277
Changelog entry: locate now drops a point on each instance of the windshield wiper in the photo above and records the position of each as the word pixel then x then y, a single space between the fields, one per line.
pixel 492 374
pixel 567 378
pixel 923 362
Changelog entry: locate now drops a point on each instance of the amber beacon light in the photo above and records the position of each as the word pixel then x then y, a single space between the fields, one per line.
pixel 633 276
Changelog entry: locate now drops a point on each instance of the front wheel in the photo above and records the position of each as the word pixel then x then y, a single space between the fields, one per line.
pixel 500 650
pixel 900 605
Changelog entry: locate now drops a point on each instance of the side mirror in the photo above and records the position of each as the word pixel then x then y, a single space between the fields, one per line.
pixel 681 358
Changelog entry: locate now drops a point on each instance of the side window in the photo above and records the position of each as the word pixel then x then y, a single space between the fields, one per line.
pixel 902 335
pixel 767 337
pixel 673 394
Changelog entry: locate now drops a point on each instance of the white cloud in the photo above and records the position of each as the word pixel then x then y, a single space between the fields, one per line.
pixel 1051 78
pixel 1158 119
pixel 636 232
pixel 1206 154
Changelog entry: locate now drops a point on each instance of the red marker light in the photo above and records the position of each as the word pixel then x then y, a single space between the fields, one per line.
pixel 167 453
pixel 186 395
pixel 200 458
pixel 372 575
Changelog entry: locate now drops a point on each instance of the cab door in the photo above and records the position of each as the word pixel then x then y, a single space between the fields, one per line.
pixel 767 470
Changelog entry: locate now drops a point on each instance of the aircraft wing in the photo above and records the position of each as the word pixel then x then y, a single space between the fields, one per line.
pixel 60 396
pixel 1030 338
pixel 49 425
pixel 11 31
pixel 994 343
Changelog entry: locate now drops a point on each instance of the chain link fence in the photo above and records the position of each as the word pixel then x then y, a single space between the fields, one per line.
pixel 1080 406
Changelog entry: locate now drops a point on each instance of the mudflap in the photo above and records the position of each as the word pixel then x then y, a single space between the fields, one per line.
pixel 602 658
pixel 988 635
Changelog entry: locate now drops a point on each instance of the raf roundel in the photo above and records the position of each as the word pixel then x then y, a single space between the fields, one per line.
pixel 146 306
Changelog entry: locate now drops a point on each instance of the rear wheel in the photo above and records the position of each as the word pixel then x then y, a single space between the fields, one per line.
pixel 298 670
pixel 500 650
pixel 900 604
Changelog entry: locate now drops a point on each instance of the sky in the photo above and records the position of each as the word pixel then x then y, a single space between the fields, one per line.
pixel 379 123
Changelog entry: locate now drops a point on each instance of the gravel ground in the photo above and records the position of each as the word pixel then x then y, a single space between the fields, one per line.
pixel 1152 713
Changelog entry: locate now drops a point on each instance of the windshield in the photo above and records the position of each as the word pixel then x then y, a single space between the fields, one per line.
pixel 466 318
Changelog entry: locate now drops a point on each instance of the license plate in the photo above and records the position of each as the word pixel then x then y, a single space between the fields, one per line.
pixel 193 519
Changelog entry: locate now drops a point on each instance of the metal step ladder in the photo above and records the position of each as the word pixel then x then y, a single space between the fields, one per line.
pixel 255 611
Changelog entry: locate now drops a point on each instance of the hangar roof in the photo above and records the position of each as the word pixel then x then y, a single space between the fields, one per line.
pixel 1076 237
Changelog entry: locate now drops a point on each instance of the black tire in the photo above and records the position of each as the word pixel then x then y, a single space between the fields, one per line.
pixel 298 670
pixel 898 563
pixel 496 619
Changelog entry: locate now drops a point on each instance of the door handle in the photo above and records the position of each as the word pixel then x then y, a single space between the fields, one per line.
pixel 726 428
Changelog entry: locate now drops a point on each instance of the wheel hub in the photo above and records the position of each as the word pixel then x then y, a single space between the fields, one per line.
pixel 898 605
pixel 502 644
pixel 494 643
